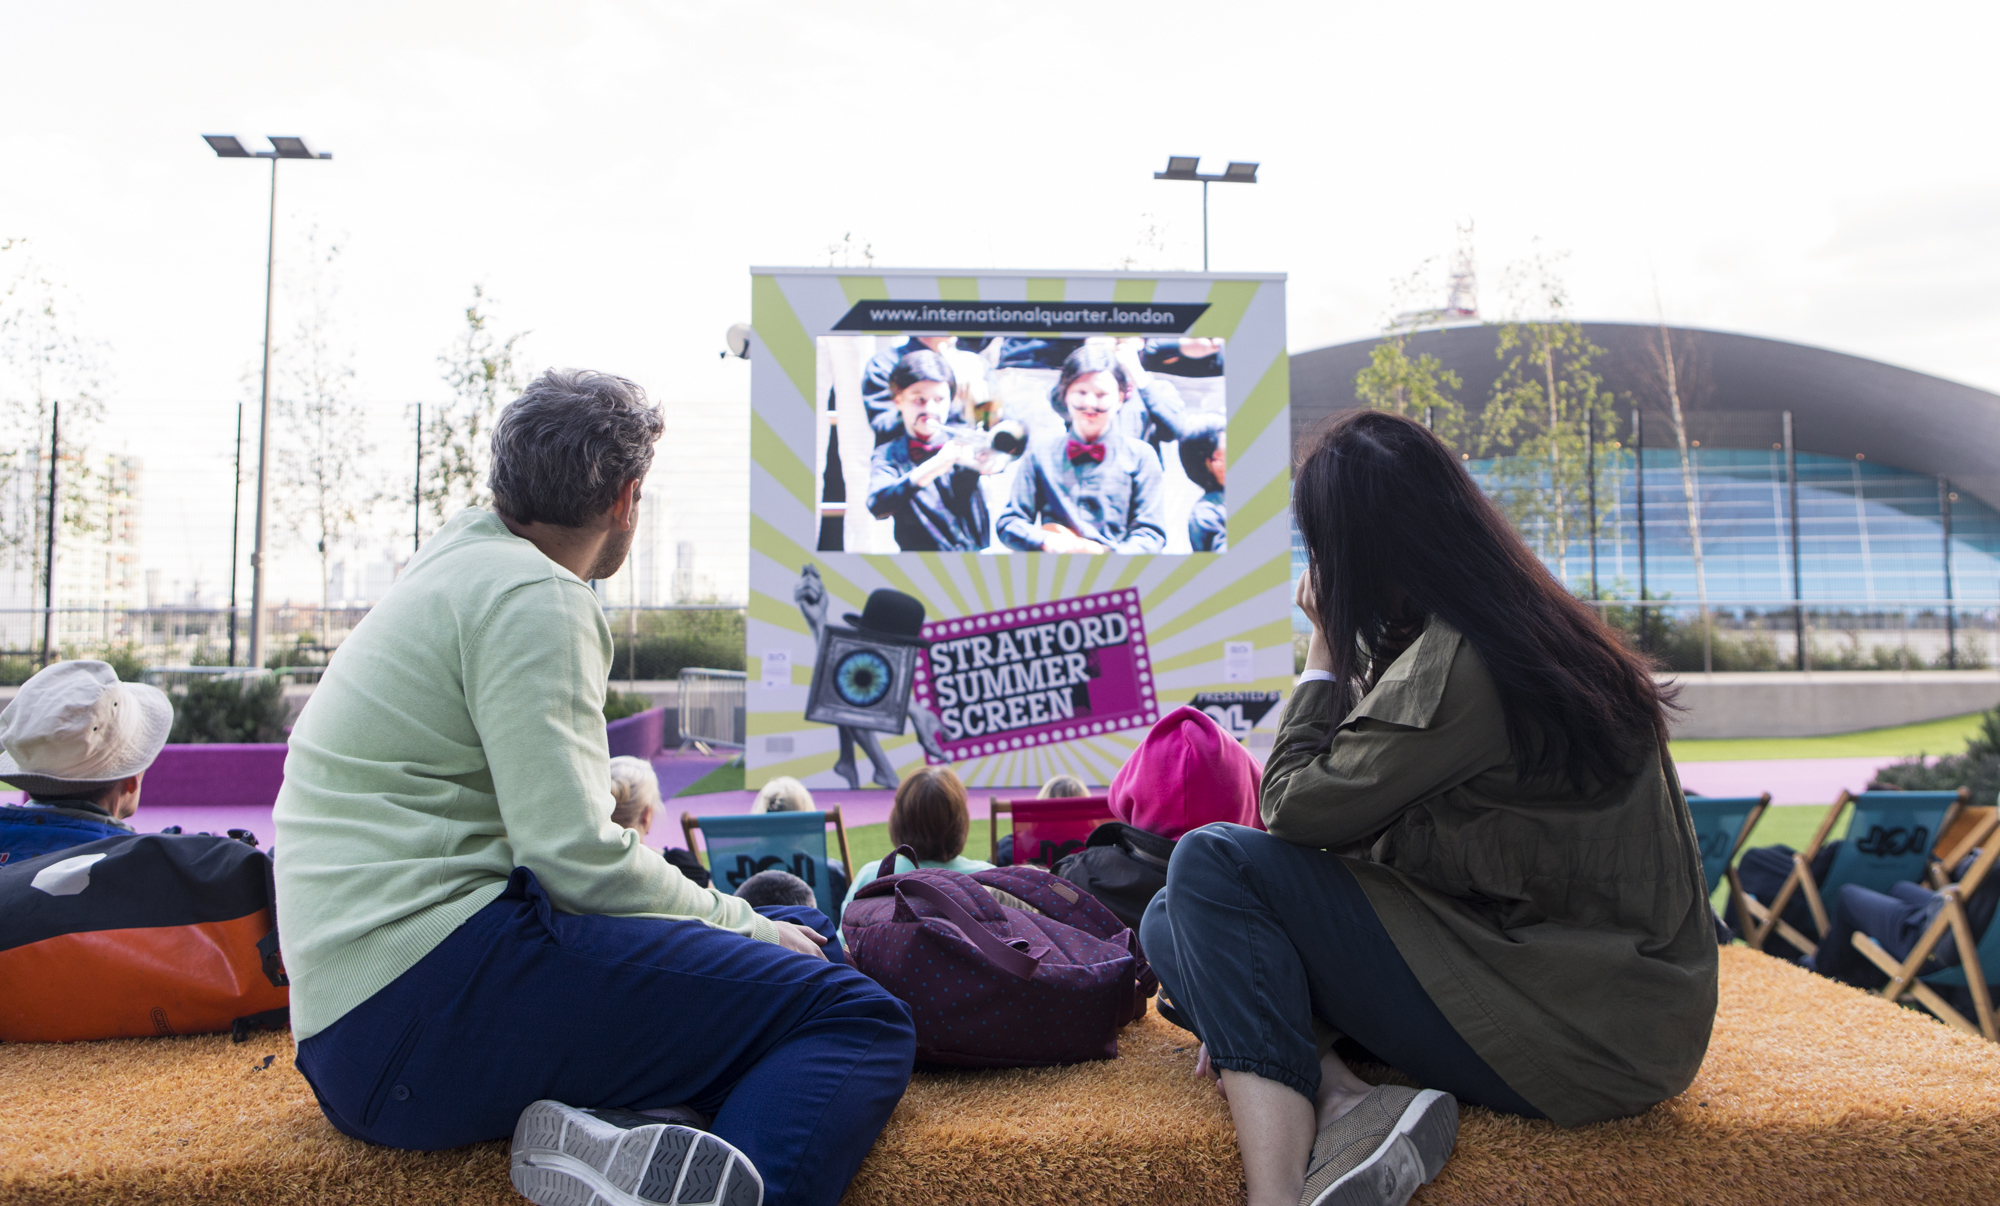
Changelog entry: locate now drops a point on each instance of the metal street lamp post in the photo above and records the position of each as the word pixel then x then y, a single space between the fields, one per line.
pixel 283 146
pixel 1183 167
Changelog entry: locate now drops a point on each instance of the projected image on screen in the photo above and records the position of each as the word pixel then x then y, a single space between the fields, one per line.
pixel 1021 445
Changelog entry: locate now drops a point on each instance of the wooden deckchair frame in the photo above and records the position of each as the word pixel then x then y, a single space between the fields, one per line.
pixel 994 807
pixel 1737 895
pixel 1974 823
pixel 1770 918
pixel 1903 977
pixel 690 823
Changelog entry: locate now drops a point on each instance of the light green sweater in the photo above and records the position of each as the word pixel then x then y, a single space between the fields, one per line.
pixel 458 734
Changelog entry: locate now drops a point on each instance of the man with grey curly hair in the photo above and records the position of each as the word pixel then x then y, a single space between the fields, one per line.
pixel 463 913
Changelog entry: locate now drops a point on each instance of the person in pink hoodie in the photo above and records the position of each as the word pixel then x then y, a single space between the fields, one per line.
pixel 1186 773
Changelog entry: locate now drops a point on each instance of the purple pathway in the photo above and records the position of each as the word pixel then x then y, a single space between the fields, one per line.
pixel 678 772
pixel 1789 780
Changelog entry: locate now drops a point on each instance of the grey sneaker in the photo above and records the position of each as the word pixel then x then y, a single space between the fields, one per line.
pixel 1379 1152
pixel 564 1156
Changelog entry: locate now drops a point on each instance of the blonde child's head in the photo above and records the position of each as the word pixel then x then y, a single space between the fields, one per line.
pixel 635 793
pixel 930 815
pixel 1062 786
pixel 783 794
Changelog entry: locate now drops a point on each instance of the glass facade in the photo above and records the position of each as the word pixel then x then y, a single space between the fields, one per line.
pixel 1869 533
pixel 1871 539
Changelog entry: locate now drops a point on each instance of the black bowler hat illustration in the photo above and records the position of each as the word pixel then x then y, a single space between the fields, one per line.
pixel 890 615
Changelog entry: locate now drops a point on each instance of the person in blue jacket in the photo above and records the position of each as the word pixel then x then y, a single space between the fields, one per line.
pixel 1087 487
pixel 922 479
pixel 1205 458
pixel 78 741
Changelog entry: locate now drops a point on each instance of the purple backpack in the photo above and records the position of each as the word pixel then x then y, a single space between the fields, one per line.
pixel 992 986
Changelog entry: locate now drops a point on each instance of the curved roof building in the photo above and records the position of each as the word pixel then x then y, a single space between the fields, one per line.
pixel 1886 457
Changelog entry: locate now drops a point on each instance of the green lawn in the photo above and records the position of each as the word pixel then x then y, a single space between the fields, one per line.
pixel 727 777
pixel 1946 736
pixel 870 842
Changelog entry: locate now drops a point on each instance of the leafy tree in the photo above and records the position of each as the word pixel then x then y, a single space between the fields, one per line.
pixel 1415 388
pixel 45 362
pixel 481 369
pixel 323 460
pixel 1545 396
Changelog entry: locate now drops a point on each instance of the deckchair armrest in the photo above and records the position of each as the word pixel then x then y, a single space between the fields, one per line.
pixel 994 807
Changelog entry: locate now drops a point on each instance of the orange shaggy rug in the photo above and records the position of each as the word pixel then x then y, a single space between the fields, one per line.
pixel 1811 1093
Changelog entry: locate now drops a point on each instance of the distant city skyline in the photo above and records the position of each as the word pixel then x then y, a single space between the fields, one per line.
pixel 609 172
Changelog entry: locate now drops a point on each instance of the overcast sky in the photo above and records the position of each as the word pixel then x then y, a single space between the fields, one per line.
pixel 1821 173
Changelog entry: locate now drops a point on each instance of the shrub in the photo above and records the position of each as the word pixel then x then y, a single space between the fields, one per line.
pixel 1978 768
pixel 206 654
pixel 671 640
pixel 1675 642
pixel 16 670
pixel 618 705
pixel 303 651
pixel 244 708
pixel 124 661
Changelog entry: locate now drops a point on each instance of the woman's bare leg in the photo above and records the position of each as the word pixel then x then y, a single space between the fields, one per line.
pixel 1340 1090
pixel 1275 1130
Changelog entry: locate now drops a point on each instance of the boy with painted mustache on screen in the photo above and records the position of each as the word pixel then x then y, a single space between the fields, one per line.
pixel 1088 487
pixel 923 479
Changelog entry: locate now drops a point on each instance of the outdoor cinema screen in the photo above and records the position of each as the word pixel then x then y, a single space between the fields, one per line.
pixel 1006 523
pixel 1021 444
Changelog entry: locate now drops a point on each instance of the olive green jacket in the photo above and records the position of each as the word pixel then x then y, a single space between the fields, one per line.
pixel 1567 937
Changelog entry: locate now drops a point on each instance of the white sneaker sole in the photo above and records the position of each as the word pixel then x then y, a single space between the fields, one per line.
pixel 1411 1157
pixel 564 1156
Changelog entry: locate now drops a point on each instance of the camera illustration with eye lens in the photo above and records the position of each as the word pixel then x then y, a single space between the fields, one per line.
pixel 863 672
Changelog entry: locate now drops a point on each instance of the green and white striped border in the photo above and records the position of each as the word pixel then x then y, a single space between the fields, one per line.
pixel 1192 604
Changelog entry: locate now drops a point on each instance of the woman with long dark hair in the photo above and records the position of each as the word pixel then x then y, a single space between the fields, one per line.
pixel 1480 866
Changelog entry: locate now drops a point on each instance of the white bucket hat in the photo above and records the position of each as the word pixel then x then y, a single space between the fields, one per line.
pixel 75 725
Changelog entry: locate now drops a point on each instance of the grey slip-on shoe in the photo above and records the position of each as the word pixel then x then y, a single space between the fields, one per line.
pixel 1379 1152
pixel 565 1156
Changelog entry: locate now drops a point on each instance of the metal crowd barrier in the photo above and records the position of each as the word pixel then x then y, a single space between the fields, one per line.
pixel 711 706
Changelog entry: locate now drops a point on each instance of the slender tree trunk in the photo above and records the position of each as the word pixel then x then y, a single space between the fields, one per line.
pixel 1555 466
pixel 1688 490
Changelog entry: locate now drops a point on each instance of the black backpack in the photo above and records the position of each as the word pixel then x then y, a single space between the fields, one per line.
pixel 1123 866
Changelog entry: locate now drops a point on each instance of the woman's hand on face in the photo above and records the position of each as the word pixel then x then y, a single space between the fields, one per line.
pixel 1319 656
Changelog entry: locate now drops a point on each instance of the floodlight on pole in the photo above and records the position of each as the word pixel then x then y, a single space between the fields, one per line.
pixel 283 146
pixel 1188 167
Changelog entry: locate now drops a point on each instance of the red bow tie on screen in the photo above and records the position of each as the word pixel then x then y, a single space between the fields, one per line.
pixel 919 453
pixel 1080 451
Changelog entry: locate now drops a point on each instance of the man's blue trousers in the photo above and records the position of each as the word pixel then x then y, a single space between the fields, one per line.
pixel 799 1061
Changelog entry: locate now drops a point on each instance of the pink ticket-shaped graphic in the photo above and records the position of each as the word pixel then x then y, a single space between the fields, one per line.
pixel 1037 675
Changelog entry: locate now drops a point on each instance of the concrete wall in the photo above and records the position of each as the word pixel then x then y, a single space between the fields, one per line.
pixel 1779 704
pixel 1814 704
